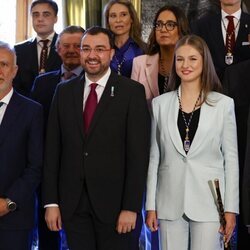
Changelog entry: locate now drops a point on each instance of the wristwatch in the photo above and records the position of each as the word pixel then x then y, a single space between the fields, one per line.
pixel 11 205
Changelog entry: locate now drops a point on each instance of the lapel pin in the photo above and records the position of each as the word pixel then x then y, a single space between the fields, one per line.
pixel 112 91
pixel 246 26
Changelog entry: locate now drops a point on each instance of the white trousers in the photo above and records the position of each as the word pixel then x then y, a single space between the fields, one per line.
pixel 185 234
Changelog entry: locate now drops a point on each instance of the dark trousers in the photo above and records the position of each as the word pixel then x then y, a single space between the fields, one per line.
pixel 15 239
pixel 84 231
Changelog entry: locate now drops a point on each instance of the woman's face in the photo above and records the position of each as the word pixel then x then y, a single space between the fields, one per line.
pixel 166 33
pixel 188 64
pixel 119 19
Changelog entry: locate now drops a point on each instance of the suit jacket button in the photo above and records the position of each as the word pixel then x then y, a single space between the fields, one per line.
pixel 86 154
pixel 184 159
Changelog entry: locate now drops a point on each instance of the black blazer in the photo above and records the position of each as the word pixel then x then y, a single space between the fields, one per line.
pixel 111 160
pixel 237 85
pixel 27 61
pixel 209 28
pixel 21 153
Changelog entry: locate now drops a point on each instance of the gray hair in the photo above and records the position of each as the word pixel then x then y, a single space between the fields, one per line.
pixel 9 48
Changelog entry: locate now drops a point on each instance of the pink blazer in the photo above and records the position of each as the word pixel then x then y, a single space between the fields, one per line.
pixel 145 71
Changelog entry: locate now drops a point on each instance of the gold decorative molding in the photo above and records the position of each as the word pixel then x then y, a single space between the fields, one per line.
pixel 137 5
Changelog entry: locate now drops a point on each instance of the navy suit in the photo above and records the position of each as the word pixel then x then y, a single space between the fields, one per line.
pixel 27 61
pixel 21 153
pixel 209 28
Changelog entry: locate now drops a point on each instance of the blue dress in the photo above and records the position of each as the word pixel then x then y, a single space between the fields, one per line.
pixel 122 60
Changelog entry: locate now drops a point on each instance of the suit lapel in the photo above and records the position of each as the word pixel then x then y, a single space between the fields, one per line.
pixel 172 123
pixel 10 116
pixel 34 56
pixel 217 33
pixel 78 101
pixel 52 54
pixel 151 63
pixel 243 31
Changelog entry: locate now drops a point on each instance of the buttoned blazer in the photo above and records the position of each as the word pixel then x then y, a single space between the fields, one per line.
pixel 209 28
pixel 111 160
pixel 145 71
pixel 21 153
pixel 27 61
pixel 179 183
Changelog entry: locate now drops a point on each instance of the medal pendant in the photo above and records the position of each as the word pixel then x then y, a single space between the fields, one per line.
pixel 186 145
pixel 229 58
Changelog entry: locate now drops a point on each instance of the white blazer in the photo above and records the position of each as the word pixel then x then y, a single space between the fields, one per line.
pixel 177 182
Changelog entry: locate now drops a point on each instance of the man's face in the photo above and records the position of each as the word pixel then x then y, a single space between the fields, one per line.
pixel 8 70
pixel 96 55
pixel 230 4
pixel 69 50
pixel 43 19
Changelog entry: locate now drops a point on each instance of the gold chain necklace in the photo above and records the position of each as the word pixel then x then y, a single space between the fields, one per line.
pixel 186 143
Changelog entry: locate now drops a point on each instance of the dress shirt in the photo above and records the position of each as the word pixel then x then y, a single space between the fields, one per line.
pixel 77 71
pixel 127 53
pixel 5 101
pixel 40 45
pixel 224 21
pixel 99 89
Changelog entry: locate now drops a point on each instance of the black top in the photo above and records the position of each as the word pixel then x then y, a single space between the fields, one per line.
pixel 192 127
pixel 161 81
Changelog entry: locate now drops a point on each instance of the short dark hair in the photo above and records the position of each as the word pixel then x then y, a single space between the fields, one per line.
pixel 52 4
pixel 95 30
pixel 71 29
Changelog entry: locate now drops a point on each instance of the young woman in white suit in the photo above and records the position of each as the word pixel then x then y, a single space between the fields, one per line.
pixel 194 141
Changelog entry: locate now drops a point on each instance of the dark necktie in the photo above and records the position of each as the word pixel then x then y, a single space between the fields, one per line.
pixel 43 55
pixel 68 74
pixel 1 103
pixel 230 36
pixel 90 107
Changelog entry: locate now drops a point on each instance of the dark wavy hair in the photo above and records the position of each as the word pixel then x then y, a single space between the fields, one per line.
pixel 209 79
pixel 182 25
pixel 135 30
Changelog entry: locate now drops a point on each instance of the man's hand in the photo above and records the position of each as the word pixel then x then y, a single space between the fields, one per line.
pixel 53 218
pixel 3 207
pixel 126 221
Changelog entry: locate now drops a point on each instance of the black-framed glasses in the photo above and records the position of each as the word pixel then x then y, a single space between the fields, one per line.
pixel 169 25
pixel 98 51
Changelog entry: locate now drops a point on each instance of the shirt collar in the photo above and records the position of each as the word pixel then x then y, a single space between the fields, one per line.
pixel 7 98
pixel 77 71
pixel 236 14
pixel 102 81
pixel 50 37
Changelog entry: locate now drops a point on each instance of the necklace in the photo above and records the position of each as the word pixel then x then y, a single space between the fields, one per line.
pixel 186 143
pixel 119 64
pixel 165 74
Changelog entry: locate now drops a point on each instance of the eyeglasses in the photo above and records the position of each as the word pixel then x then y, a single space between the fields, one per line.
pixel 169 25
pixel 98 51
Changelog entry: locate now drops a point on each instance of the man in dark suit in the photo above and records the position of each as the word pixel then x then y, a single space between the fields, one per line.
pixel 95 172
pixel 68 47
pixel 213 29
pixel 44 17
pixel 236 84
pixel 21 152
